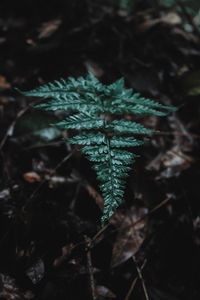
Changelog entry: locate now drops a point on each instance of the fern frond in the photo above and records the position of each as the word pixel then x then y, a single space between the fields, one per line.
pixel 103 139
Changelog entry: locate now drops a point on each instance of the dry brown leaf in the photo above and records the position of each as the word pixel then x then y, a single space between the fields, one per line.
pixel 36 271
pixel 131 234
pixel 148 24
pixel 4 100
pixel 186 35
pixel 94 68
pixel 9 289
pixel 48 28
pixel 2 40
pixel 66 251
pixel 171 18
pixel 3 83
pixel 32 177
pixel 30 42
pixel 172 163
pixel 103 291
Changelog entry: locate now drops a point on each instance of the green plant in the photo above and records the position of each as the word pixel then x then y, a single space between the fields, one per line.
pixel 104 135
pixel 125 4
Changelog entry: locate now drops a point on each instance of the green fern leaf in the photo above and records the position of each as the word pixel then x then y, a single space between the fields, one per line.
pixel 120 141
pixel 81 121
pixel 103 139
pixel 124 126
pixel 89 139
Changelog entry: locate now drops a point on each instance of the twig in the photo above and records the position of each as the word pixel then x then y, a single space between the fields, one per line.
pixel 90 268
pixel 34 193
pixel 166 200
pixel 141 278
pixel 100 232
pixel 134 282
pixel 12 125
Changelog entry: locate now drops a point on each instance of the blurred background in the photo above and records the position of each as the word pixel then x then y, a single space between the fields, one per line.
pixel 50 203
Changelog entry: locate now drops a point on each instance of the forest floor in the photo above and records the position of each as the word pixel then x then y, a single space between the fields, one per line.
pixel 52 245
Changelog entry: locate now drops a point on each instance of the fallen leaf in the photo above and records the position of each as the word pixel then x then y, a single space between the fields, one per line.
pixel 186 35
pixel 48 28
pixel 175 161
pixel 131 234
pixel 3 83
pixel 2 40
pixel 66 251
pixel 9 289
pixel 36 271
pixel 103 291
pixel 171 18
pixel 94 68
pixel 55 181
pixel 30 42
pixel 5 194
pixel 32 177
pixel 4 100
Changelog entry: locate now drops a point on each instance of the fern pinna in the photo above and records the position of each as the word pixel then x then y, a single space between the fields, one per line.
pixel 103 138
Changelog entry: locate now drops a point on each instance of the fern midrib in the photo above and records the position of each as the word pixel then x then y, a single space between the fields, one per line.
pixel 109 156
pixel 110 163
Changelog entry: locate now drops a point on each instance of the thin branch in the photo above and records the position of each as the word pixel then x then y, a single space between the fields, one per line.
pixel 141 278
pixel 12 125
pixel 90 268
pixel 134 282
pixel 99 233
pixel 34 193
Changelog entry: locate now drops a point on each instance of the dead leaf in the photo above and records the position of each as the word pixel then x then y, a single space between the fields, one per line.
pixel 171 162
pixel 55 181
pixel 32 177
pixel 48 28
pixel 175 161
pixel 5 194
pixel 4 83
pixel 103 291
pixel 30 42
pixel 148 24
pixel 9 289
pixel 171 18
pixel 94 68
pixel 186 35
pixel 131 234
pixel 66 251
pixel 4 100
pixel 36 271
pixel 2 40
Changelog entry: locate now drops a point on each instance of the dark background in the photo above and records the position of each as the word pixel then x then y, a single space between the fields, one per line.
pixel 47 215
